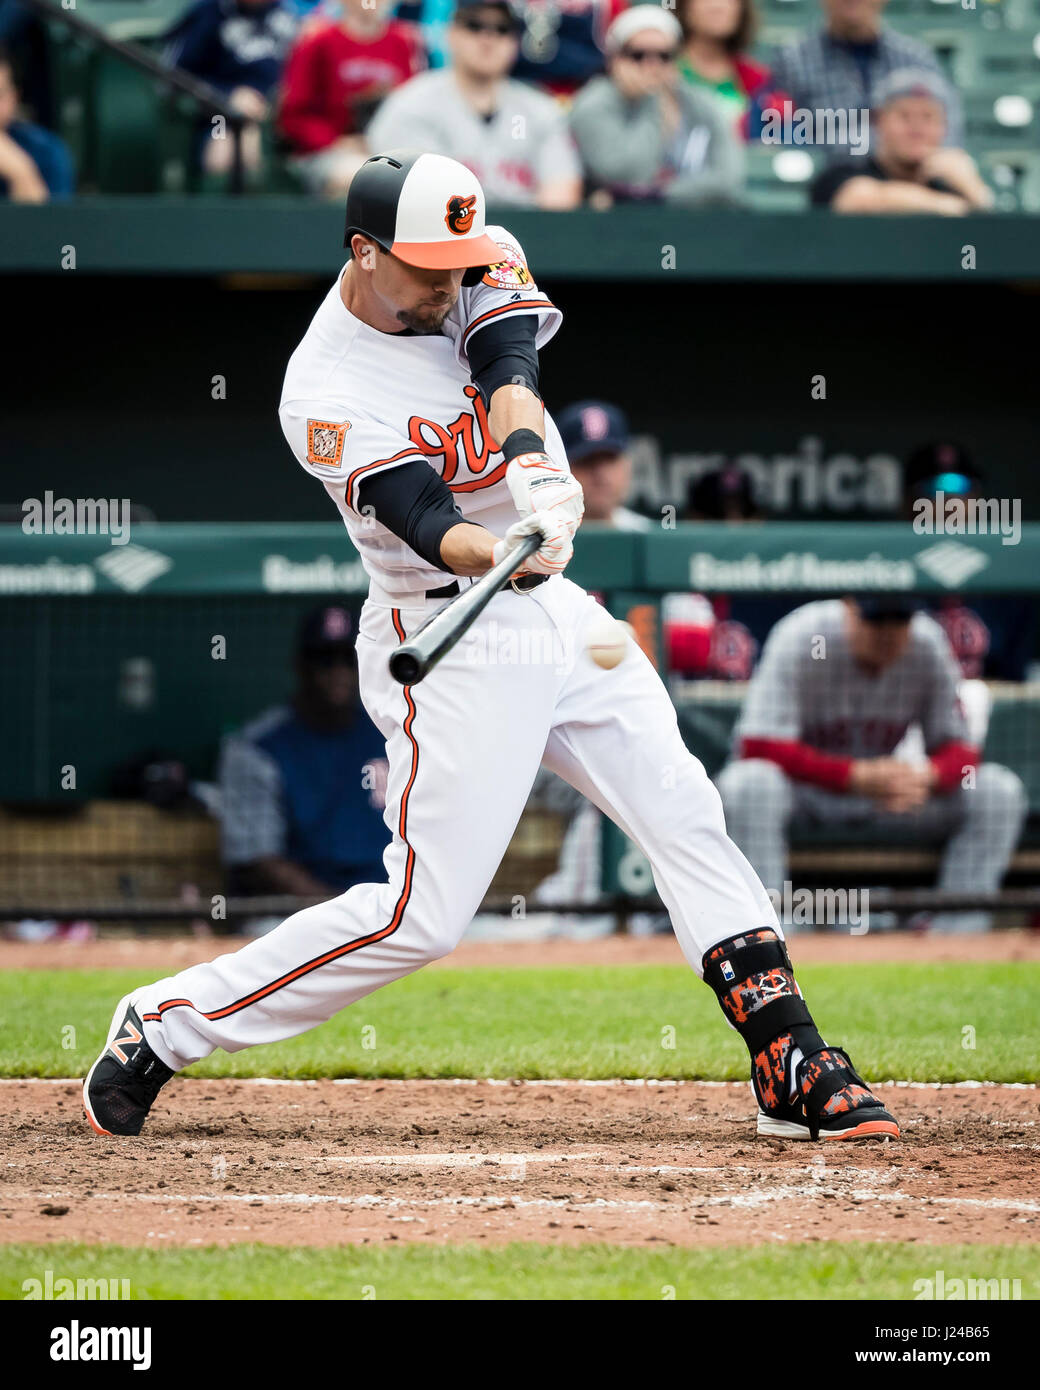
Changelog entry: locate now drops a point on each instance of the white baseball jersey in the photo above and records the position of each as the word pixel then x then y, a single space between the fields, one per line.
pixel 464 745
pixel 357 402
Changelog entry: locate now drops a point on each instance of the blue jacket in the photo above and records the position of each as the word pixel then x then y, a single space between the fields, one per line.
pixel 50 154
pixel 316 798
pixel 231 45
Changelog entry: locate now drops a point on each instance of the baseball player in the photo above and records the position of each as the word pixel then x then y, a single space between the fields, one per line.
pixel 839 684
pixel 413 398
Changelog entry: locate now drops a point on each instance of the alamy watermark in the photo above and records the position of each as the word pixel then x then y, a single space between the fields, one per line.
pixel 496 644
pixel 81 1342
pixel 954 1290
pixel 822 125
pixel 60 1287
pixel 969 516
pixel 77 516
pixel 828 907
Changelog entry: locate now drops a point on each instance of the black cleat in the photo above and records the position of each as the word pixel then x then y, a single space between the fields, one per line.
pixel 122 1084
pixel 832 1101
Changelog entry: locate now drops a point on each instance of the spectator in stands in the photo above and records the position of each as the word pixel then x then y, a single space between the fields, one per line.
pixel 644 134
pixel 839 67
pixel 514 138
pixel 35 164
pixel 562 42
pixel 714 55
pixel 336 76
pixel 596 438
pixel 909 169
pixel 839 684
pixel 303 786
pixel 238 47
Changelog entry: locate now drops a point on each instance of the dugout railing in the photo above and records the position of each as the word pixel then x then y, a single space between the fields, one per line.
pixel 152 650
pixel 123 109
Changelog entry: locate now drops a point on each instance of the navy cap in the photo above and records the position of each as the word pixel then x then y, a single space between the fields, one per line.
pixel 876 608
pixel 325 628
pixel 592 427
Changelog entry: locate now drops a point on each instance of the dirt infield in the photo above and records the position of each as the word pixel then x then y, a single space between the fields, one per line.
pixel 333 1162
pixel 155 956
pixel 327 1163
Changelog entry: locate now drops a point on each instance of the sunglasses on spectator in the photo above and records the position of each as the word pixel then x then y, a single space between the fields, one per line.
pixel 485 26
pixel 648 55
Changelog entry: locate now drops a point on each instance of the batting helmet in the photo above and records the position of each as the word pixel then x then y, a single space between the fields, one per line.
pixel 424 208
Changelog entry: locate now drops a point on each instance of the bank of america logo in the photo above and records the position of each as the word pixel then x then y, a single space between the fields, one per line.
pixel 133 566
pixel 951 563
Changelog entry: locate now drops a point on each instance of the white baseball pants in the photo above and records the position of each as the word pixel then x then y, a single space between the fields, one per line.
pixel 464 747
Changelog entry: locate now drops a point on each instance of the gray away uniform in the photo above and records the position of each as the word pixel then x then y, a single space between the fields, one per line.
pixel 830 703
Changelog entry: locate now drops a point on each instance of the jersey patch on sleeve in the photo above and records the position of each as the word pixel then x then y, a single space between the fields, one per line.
pixel 325 441
pixel 509 274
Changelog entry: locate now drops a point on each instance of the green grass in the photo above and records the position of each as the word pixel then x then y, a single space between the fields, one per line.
pixel 820 1270
pixel 901 1021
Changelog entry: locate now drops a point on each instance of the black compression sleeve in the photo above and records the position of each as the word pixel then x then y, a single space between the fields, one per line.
pixel 413 502
pixel 504 353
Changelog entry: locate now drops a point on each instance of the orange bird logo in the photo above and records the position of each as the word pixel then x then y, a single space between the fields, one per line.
pixel 460 214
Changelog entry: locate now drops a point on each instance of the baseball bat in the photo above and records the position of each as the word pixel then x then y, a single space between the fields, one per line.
pixel 416 658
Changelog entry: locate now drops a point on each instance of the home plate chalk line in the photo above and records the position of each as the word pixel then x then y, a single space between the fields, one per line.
pixel 368 1201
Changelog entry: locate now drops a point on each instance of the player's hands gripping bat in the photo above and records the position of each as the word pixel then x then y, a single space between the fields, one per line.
pixel 418 656
pixel 539 487
pixel 551 504
pixel 556 547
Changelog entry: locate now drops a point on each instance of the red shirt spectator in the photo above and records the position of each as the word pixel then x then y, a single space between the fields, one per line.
pixel 336 75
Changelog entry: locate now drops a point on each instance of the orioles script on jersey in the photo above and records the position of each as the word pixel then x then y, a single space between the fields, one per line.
pixel 467 440
pixel 358 402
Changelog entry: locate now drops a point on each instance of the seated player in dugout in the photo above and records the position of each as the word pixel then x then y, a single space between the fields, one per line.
pixel 303 785
pixel 414 398
pixel 839 684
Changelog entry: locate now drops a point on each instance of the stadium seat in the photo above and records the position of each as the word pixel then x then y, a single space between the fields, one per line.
pixel 997 121
pixel 70 63
pixel 952 42
pixel 778 177
pixel 132 19
pixel 126 128
pixel 1008 61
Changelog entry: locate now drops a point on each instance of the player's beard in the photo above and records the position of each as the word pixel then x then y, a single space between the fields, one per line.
pixel 428 319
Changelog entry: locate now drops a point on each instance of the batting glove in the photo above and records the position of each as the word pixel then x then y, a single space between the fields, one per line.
pixel 537 484
pixel 552 556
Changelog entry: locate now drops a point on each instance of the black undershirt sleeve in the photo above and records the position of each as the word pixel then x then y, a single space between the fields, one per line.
pixel 411 500
pixel 415 503
pixel 504 353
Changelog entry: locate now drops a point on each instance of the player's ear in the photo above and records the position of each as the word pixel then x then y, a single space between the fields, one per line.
pixel 364 251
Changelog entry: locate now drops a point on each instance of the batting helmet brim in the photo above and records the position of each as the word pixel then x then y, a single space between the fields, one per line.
pixel 448 255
